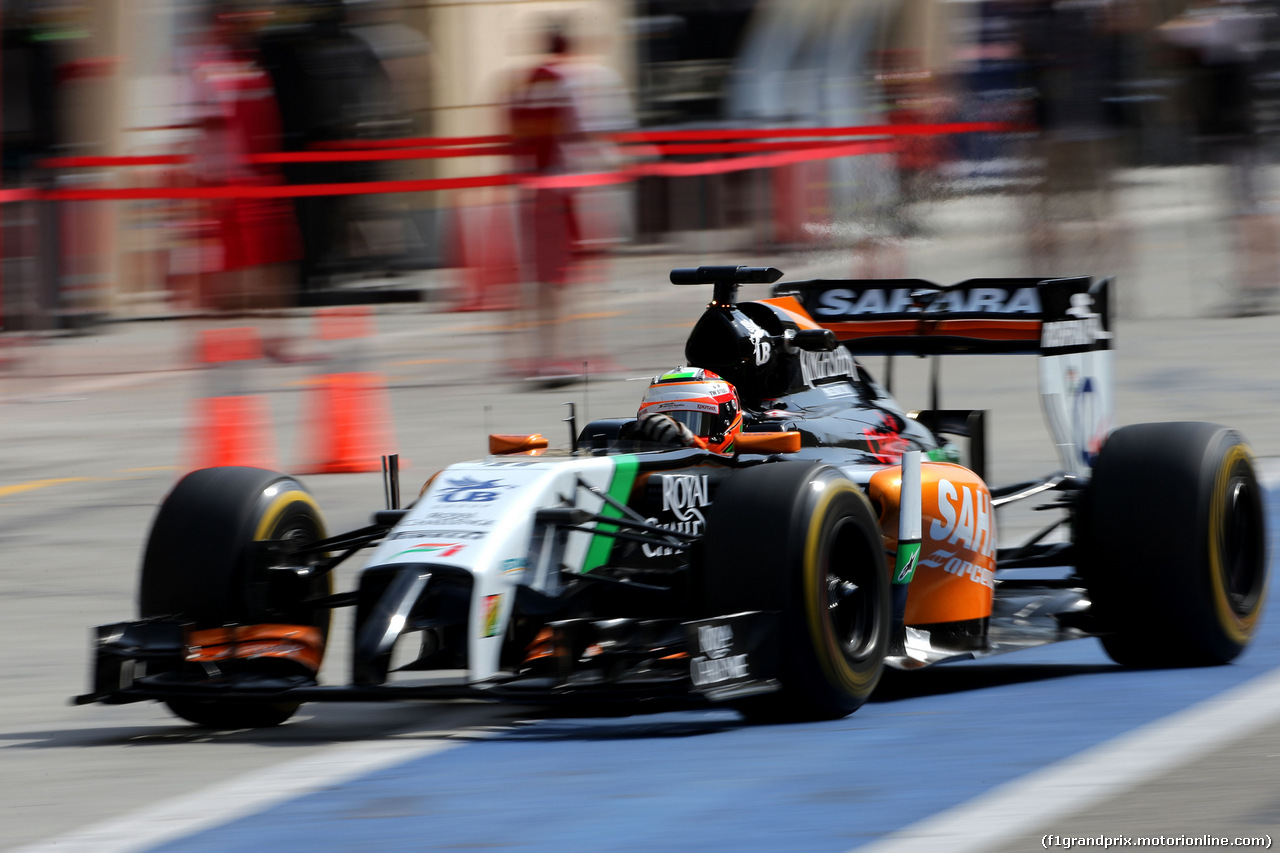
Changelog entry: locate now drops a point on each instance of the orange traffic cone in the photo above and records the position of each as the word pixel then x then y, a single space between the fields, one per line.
pixel 348 412
pixel 231 427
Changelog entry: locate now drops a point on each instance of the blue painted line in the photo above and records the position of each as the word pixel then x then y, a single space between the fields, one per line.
pixel 929 741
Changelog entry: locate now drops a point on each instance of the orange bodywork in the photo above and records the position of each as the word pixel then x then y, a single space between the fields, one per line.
pixel 301 643
pixel 794 310
pixel 955 578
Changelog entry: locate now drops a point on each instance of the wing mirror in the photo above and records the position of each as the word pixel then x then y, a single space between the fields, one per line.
pixel 767 442
pixel 501 444
pixel 815 340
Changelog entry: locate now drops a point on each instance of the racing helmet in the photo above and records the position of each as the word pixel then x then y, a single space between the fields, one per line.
pixel 702 401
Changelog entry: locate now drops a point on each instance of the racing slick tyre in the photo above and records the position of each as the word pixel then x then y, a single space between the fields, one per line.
pixel 801 539
pixel 1173 542
pixel 199 565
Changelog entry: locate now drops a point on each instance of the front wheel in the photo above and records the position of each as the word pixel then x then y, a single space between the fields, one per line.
pixel 802 539
pixel 201 566
pixel 1173 544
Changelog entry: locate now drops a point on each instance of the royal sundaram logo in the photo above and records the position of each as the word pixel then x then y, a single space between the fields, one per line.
pixel 433 549
pixel 490 608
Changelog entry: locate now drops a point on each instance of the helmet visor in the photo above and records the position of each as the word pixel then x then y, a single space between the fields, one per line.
pixel 701 424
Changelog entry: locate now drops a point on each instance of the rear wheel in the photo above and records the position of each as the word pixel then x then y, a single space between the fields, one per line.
pixel 200 565
pixel 1173 541
pixel 801 539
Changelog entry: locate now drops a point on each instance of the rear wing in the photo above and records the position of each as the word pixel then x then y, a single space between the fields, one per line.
pixel 907 316
pixel 1067 321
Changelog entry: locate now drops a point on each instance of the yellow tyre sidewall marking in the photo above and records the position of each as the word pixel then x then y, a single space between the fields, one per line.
pixel 833 663
pixel 272 515
pixel 1237 628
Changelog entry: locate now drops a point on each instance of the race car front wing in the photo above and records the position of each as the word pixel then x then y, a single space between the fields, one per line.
pixel 600 660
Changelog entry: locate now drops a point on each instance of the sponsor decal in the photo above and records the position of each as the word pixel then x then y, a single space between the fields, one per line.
pixel 842 301
pixel 1083 330
pixel 469 519
pixel 946 560
pixel 684 496
pixel 965 518
pixel 987 300
pixel 512 565
pixel 441 534
pixel 714 663
pixel 826 365
pixel 908 554
pixel 840 389
pixel 936 558
pixel 846 302
pixel 432 549
pixel 490 608
pixel 759 340
pixel 686 406
pixel 1088 429
pixel 975 573
pixel 470 490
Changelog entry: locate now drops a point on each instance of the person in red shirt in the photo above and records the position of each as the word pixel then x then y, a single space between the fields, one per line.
pixel 236 116
pixel 544 124
pixel 561 114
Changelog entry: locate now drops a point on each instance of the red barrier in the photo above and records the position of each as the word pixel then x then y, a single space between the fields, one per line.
pixel 283 157
pixel 796 132
pixel 427 148
pixel 779 154
pixel 709 167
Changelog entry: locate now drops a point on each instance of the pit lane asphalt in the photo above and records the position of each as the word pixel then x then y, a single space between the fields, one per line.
pixel 94 428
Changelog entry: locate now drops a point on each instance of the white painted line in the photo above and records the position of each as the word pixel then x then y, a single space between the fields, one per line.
pixel 255 792
pixel 1029 803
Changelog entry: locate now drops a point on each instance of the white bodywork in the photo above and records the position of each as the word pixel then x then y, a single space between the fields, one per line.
pixel 478 516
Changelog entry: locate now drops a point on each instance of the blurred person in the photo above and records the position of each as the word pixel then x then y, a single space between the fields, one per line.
pixel 408 61
pixel 232 105
pixel 330 86
pixel 33 112
pixel 559 114
pixel 62 275
pixel 914 95
pixel 1071 49
pixel 1225 43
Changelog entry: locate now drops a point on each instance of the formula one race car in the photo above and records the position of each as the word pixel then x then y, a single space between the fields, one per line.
pixel 777 565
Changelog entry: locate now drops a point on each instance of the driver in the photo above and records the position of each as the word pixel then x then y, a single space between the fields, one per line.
pixel 693 407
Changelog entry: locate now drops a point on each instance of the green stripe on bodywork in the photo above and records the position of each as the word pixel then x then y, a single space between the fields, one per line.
pixel 624 477
pixel 905 566
pixel 946 453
